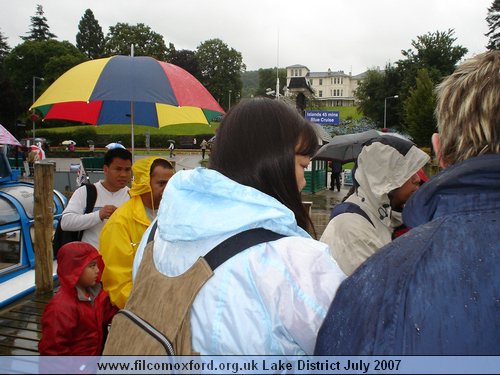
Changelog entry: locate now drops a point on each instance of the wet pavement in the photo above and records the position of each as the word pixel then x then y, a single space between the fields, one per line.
pixel 322 204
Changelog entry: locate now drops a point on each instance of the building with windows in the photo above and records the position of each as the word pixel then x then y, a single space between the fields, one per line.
pixel 330 89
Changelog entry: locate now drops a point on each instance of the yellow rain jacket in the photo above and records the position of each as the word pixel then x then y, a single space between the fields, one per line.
pixel 122 234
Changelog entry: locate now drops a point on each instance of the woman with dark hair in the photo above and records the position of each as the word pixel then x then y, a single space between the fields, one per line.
pixel 262 149
pixel 272 297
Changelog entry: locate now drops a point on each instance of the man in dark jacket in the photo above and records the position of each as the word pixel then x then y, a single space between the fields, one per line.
pixel 436 290
pixel 336 172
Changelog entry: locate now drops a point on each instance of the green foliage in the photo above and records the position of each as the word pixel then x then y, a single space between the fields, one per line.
pixel 370 92
pixel 4 46
pixel 267 80
pixel 90 38
pixel 39 28
pixel 146 42
pixel 102 135
pixel 493 20
pixel 419 110
pixel 221 69
pixel 434 52
pixel 250 81
pixel 47 59
pixel 345 113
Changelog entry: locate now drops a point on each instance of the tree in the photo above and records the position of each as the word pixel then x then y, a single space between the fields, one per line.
pixel 419 110
pixel 90 38
pixel 9 100
pixel 39 28
pixel 187 60
pixel 221 69
pixel 434 52
pixel 267 80
pixel 371 94
pixel 250 81
pixel 493 20
pixel 146 42
pixel 4 46
pixel 47 59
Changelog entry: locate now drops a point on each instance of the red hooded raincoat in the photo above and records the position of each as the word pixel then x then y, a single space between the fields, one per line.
pixel 70 325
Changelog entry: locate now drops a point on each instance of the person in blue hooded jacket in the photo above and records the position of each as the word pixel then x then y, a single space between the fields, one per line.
pixel 272 297
pixel 436 290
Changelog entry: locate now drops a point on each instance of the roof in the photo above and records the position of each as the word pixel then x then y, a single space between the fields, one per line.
pixel 299 83
pixel 360 75
pixel 327 74
pixel 297 66
pixel 322 133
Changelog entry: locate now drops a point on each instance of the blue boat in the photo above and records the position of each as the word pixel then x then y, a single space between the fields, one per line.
pixel 17 257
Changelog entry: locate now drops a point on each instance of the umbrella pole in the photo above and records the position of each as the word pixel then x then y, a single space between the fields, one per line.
pixel 132 127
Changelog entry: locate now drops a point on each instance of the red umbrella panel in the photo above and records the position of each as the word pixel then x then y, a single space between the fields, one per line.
pixel 108 91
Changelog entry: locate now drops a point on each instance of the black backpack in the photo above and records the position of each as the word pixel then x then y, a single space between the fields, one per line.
pixel 62 237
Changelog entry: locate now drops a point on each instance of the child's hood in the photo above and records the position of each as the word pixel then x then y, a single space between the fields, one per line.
pixel 72 259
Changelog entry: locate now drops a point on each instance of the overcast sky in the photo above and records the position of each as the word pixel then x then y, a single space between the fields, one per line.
pixel 348 35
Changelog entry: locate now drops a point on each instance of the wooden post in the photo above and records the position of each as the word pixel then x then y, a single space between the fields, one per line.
pixel 44 217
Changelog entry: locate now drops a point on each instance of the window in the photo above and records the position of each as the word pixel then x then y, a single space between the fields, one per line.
pixel 24 194
pixel 10 249
pixel 300 72
pixel 312 82
pixel 342 80
pixel 342 92
pixel 320 81
pixel 320 94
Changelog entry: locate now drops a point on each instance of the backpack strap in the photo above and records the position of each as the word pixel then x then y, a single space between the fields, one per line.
pixel 237 243
pixel 232 245
pixel 349 207
pixel 89 206
pixel 91 198
pixel 152 232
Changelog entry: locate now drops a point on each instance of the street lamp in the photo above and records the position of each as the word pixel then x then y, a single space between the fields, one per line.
pixel 229 99
pixel 32 116
pixel 385 107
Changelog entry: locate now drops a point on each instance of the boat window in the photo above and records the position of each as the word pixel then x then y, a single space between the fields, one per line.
pixel 10 249
pixel 24 194
pixel 9 212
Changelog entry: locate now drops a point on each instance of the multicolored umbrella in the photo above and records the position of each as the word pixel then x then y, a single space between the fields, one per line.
pixel 100 92
pixel 128 90
pixel 6 138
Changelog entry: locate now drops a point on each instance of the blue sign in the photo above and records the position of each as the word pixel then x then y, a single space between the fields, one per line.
pixel 323 117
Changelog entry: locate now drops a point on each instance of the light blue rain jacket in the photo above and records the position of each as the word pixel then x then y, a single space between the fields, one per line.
pixel 270 298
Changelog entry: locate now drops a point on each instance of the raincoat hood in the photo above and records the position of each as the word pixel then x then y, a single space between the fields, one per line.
pixel 142 180
pixel 72 259
pixel 385 164
pixel 202 203
pixel 439 196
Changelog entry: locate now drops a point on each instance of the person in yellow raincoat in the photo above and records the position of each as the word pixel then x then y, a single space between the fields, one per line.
pixel 123 232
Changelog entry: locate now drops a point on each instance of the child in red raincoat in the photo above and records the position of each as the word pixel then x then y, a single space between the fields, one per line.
pixel 75 319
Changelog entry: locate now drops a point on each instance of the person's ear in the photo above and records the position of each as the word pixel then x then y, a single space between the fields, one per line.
pixel 437 149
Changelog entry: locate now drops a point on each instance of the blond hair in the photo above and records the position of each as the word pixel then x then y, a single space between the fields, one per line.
pixel 468 109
